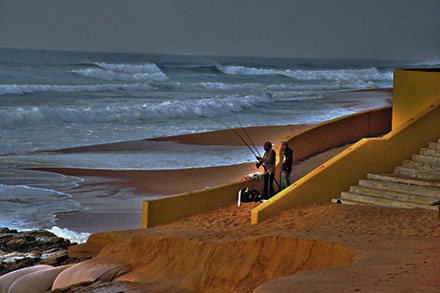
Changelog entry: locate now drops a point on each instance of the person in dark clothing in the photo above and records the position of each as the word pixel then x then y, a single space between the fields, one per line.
pixel 287 165
pixel 268 162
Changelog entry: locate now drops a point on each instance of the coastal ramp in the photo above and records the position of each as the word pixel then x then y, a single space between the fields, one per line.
pixel 415 123
pixel 414 184
pixel 308 143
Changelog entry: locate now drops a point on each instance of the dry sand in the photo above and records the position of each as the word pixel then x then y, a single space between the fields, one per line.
pixel 374 250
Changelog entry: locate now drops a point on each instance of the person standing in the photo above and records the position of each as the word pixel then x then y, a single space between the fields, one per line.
pixel 268 162
pixel 286 169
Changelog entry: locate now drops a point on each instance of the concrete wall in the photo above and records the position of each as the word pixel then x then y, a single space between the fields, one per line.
pixel 375 155
pixel 414 90
pixel 305 144
pixel 337 132
pixel 167 209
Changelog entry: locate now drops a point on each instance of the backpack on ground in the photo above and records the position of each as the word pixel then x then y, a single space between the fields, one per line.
pixel 247 195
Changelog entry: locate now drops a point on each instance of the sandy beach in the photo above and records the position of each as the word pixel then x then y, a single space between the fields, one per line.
pixel 375 250
pixel 115 196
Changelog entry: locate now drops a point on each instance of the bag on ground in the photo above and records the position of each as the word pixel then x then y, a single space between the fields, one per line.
pixel 247 195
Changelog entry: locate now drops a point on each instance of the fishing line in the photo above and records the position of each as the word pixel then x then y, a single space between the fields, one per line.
pixel 246 133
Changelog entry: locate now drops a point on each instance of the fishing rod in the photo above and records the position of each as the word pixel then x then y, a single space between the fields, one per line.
pixel 252 151
pixel 248 136
pixel 246 133
pixel 239 136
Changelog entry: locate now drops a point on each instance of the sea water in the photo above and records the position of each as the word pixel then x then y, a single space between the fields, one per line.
pixel 51 100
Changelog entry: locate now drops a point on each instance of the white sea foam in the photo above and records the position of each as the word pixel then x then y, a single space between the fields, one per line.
pixel 120 76
pixel 329 86
pixel 78 237
pixel 43 180
pixel 336 85
pixel 303 74
pixel 124 72
pixel 26 207
pixel 130 68
pixel 21 89
pixel 367 74
pixel 228 86
pixel 154 156
pixel 136 111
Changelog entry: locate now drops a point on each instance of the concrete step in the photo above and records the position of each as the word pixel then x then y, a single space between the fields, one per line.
pixel 387 202
pixel 430 192
pixel 397 178
pixel 434 145
pixel 347 201
pixel 420 166
pixel 430 152
pixel 435 161
pixel 421 174
pixel 393 195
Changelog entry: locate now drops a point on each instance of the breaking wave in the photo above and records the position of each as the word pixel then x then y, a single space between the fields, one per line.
pixel 126 113
pixel 22 89
pixel 303 74
pixel 121 76
pixel 26 207
pixel 78 237
pixel 336 85
pixel 130 68
pixel 427 63
pixel 123 72
pixel 227 86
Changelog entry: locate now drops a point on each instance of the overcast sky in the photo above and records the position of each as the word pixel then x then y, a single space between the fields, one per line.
pixel 379 29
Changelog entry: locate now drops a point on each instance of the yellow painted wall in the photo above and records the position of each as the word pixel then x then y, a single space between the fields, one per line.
pixel 337 132
pixel 167 209
pixel 413 91
pixel 305 144
pixel 375 155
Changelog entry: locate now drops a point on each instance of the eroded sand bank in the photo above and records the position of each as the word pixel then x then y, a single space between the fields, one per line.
pixel 357 248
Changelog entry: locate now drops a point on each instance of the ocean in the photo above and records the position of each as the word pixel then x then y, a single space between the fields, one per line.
pixel 51 100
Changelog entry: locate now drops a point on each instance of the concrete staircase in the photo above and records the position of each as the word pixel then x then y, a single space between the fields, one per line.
pixel 415 184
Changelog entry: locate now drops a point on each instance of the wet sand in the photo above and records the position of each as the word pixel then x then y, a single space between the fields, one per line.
pixel 259 135
pixel 115 196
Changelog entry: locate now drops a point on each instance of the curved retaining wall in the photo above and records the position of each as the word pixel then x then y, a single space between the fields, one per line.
pixel 322 137
pixel 167 209
pixel 337 132
pixel 375 155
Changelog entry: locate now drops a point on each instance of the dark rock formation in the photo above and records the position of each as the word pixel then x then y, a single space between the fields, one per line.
pixel 28 248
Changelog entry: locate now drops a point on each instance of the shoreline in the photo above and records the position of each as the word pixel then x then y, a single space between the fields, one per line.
pixel 115 196
pixel 116 202
pixel 222 137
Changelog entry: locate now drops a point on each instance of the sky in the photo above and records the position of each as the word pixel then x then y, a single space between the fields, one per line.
pixel 361 29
